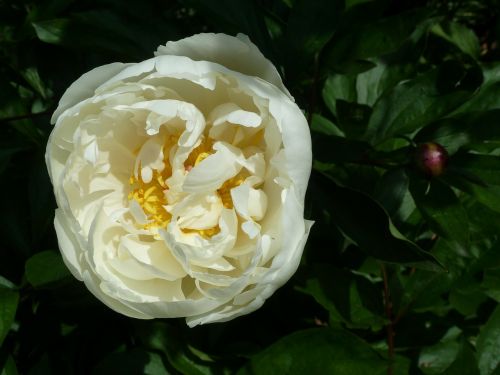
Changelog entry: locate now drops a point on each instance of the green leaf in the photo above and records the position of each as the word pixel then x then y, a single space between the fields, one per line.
pixel 467 300
pixel 339 87
pixel 465 362
pixel 367 224
pixel 8 307
pixel 100 31
pixel 242 16
pixel 5 283
pixel 317 351
pixel 451 133
pixel 391 189
pixel 485 167
pixel 440 206
pixel 372 39
pixel 436 359
pixel 491 283
pixel 322 125
pixel 459 35
pixel 52 31
pixel 9 367
pixel 170 341
pixel 45 269
pixel 33 78
pixel 463 130
pixel 310 25
pixel 488 344
pixel 371 84
pixel 411 105
pixel 487 97
pixel 135 361
pixel 348 297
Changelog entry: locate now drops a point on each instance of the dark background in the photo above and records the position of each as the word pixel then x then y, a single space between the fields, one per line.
pixel 375 79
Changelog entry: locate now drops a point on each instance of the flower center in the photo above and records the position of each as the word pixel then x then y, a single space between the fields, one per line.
pixel 151 195
pixel 151 198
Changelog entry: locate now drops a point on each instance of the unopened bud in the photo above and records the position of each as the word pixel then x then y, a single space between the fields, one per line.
pixel 431 158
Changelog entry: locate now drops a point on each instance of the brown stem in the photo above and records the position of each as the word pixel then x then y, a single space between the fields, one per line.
pixel 390 325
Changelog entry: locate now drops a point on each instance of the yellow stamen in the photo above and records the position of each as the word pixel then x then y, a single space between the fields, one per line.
pixel 199 153
pixel 207 233
pixel 225 190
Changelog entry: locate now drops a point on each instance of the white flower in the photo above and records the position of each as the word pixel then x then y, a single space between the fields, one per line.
pixel 180 181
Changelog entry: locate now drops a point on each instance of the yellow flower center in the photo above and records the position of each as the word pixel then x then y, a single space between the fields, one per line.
pixel 151 198
pixel 151 195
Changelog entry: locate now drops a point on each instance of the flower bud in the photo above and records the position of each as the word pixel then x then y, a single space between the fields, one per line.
pixel 431 158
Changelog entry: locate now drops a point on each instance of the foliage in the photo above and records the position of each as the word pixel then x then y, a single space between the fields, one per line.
pixel 401 273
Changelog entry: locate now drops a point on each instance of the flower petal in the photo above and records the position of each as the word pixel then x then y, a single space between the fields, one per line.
pixel 236 53
pixel 85 86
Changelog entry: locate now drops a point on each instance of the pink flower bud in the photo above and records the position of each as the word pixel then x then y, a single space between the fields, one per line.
pixel 431 158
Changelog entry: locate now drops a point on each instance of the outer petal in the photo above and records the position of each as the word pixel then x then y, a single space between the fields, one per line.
pixel 84 87
pixel 236 53
pixel 68 245
pixel 297 141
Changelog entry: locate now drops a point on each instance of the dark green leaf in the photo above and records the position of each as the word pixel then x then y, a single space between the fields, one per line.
pixel 51 31
pixel 317 351
pixel 339 87
pixel 348 297
pixel 310 26
pixel 467 300
pixel 465 362
pixel 459 35
pixel 170 341
pixel 242 16
pixel 392 189
pixel 373 38
pixel 488 95
pixel 45 268
pixel 8 307
pixel 443 211
pixel 135 361
pixel 322 125
pixel 371 84
pixel 5 283
pixel 411 105
pixel 462 131
pixel 103 31
pixel 9 367
pixel 485 167
pixel 436 359
pixel 488 344
pixel 33 78
pixel 367 224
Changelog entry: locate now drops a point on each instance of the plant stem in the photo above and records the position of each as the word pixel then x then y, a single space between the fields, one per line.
pixel 390 325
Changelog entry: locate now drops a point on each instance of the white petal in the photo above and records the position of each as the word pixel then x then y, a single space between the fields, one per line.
pixel 156 255
pixel 251 228
pixel 85 86
pixel 68 245
pixel 195 122
pixel 212 172
pixel 92 284
pixel 183 67
pixel 297 142
pixel 236 53
pixel 131 70
pixel 230 112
